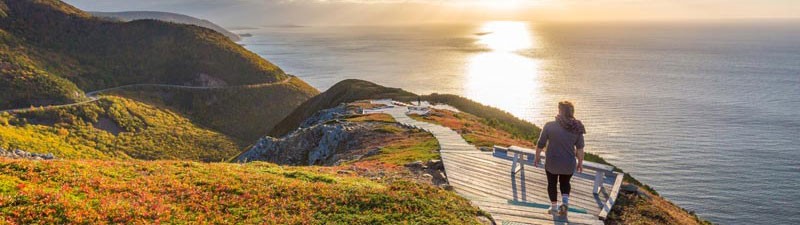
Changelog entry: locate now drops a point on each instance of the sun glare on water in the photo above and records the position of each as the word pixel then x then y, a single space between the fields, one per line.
pixel 501 76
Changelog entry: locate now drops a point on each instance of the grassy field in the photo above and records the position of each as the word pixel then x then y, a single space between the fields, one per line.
pixel 111 192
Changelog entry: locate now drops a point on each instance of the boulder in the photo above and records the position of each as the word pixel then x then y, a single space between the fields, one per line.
pixel 18 153
pixel 446 187
pixel 415 164
pixel 435 164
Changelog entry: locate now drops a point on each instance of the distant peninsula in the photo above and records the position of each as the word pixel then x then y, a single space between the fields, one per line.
pixel 168 17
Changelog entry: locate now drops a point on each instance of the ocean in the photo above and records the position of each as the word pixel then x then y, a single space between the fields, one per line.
pixel 707 113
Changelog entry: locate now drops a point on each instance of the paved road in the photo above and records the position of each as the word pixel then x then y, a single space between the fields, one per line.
pixel 92 96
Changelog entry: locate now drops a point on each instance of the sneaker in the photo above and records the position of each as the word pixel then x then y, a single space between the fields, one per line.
pixel 552 210
pixel 562 210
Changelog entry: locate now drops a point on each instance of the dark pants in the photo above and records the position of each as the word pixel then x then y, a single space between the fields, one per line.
pixel 551 184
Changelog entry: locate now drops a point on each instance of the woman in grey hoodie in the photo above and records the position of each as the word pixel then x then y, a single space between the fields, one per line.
pixel 563 138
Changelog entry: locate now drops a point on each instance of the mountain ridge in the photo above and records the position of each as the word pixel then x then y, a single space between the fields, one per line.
pixel 127 16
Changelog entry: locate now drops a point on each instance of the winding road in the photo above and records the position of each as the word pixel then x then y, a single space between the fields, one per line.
pixel 92 95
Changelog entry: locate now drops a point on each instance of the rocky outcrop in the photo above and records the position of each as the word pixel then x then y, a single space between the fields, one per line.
pixel 322 144
pixel 326 138
pixel 326 115
pixel 20 154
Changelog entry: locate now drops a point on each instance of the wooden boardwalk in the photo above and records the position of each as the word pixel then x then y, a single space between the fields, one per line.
pixel 522 199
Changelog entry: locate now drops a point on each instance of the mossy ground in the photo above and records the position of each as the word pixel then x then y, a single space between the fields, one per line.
pixel 397 145
pixel 417 147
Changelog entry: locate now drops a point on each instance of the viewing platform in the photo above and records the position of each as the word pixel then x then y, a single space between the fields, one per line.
pixel 505 183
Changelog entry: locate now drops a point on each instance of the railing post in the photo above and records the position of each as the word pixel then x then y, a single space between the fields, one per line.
pixel 514 165
pixel 598 181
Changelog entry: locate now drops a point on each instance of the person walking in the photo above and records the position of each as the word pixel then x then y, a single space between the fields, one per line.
pixel 563 138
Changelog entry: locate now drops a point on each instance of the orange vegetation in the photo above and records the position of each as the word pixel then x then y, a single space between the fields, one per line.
pixel 474 129
pixel 142 192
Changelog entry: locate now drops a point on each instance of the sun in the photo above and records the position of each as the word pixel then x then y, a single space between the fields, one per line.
pixel 506 36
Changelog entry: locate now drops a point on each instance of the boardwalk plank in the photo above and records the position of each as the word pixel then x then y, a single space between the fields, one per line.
pixel 536 174
pixel 502 189
pixel 539 214
pixel 532 194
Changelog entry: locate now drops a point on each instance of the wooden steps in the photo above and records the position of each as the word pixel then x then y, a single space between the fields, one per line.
pixel 522 199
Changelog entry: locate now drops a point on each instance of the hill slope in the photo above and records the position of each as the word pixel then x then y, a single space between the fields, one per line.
pixel 244 113
pixel 49 45
pixel 51 53
pixel 168 17
pixel 113 127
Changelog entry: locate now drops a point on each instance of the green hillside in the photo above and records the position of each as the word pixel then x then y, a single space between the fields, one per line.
pixel 47 44
pixel 24 80
pixel 244 113
pixel 52 53
pixel 113 127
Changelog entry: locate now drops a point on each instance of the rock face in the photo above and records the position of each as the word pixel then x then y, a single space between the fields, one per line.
pixel 322 144
pixel 20 154
pixel 325 115
pixel 323 139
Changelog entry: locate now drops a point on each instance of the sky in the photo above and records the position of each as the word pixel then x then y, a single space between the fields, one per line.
pixel 353 12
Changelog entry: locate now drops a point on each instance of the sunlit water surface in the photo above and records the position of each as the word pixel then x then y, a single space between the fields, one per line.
pixel 708 114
